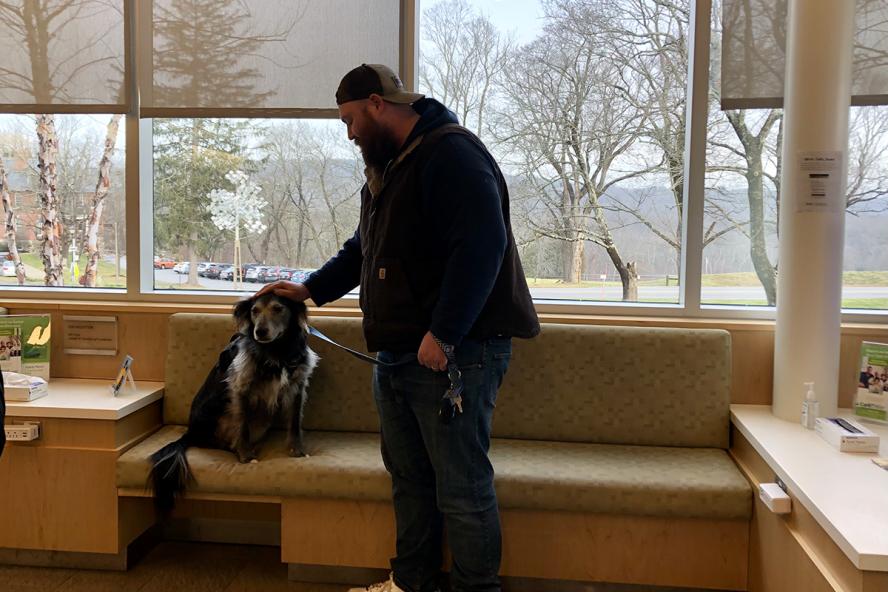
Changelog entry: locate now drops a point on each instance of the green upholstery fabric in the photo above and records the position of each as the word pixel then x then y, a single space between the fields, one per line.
pixel 616 420
pixel 619 385
pixel 574 383
pixel 596 478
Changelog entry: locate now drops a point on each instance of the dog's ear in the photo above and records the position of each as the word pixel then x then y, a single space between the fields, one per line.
pixel 241 314
pixel 299 314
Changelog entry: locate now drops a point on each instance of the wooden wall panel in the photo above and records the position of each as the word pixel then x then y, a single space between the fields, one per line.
pixel 143 334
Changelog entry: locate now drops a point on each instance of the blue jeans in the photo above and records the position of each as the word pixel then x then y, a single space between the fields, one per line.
pixel 441 474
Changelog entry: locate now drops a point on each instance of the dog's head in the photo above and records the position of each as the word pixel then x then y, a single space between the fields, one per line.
pixel 270 317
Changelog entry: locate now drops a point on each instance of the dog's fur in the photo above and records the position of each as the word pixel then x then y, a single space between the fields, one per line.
pixel 263 372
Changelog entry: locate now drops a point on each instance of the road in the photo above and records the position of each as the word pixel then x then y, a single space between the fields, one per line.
pixel 645 293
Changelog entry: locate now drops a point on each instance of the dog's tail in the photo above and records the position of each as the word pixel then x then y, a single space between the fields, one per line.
pixel 170 473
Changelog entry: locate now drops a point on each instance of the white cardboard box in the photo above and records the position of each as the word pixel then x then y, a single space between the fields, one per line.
pixel 856 439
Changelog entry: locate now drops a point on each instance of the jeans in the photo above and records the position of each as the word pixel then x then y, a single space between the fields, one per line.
pixel 441 474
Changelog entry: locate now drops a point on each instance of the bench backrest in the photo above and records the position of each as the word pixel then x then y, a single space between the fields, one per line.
pixel 576 383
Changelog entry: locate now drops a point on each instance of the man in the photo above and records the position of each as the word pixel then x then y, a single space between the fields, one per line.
pixel 442 289
pixel 865 377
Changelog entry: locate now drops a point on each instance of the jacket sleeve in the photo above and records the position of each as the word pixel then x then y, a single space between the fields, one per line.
pixel 462 195
pixel 339 275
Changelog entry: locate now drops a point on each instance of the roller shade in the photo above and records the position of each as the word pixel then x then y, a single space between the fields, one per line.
pixel 753 53
pixel 260 57
pixel 62 56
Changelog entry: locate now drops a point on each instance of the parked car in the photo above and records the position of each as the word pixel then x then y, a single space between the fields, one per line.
pixel 247 267
pixel 269 274
pixel 212 270
pixel 226 272
pixel 252 273
pixel 202 268
pixel 295 275
pixel 183 267
pixel 164 263
pixel 8 269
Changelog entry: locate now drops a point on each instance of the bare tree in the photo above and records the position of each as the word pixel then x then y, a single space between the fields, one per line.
pixel 463 57
pixel 867 188
pixel 571 128
pixel 10 225
pixel 651 47
pixel 98 205
pixel 314 181
pixel 51 228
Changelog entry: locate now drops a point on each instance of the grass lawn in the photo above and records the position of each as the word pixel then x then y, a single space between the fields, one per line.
pixel 34 273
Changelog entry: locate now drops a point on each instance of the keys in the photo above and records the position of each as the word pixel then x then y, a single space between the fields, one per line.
pixel 451 403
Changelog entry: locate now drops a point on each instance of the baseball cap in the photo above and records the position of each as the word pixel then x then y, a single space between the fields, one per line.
pixel 368 79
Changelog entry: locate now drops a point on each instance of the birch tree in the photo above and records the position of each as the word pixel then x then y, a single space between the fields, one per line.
pixel 88 278
pixel 9 215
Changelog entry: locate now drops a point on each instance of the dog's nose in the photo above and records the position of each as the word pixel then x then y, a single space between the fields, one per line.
pixel 261 332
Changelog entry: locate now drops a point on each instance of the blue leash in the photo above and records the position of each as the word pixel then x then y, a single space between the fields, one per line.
pixel 359 355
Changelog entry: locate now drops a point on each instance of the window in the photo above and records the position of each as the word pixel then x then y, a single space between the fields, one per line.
pixel 246 175
pixel 744 161
pixel 62 187
pixel 583 105
pixel 239 202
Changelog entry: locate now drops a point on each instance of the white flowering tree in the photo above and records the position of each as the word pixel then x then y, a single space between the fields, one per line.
pixel 233 210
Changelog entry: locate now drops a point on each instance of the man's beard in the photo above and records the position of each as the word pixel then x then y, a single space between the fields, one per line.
pixel 378 146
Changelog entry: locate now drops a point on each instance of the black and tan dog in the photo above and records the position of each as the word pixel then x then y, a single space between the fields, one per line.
pixel 263 373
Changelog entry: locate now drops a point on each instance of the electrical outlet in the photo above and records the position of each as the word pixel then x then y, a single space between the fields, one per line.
pixel 22 432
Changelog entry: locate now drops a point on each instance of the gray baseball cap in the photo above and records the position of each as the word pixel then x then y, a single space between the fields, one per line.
pixel 368 79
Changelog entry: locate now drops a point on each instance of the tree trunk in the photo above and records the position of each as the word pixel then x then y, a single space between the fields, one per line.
pixel 758 250
pixel 88 278
pixel 10 226
pixel 49 201
pixel 627 271
pixel 192 259
pixel 566 260
pixel 577 260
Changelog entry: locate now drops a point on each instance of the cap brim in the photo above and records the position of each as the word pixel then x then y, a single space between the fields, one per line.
pixel 403 97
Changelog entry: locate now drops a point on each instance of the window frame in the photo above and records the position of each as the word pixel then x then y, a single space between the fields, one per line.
pixel 139 198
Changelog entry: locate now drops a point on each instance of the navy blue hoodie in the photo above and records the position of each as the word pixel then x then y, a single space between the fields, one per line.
pixel 462 198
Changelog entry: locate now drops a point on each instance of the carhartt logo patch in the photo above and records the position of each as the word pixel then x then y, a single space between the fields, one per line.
pixel 382 273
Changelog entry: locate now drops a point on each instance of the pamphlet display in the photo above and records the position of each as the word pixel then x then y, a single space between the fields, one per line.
pixel 871 401
pixel 25 344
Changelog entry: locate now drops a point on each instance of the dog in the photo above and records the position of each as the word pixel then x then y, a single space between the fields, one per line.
pixel 261 374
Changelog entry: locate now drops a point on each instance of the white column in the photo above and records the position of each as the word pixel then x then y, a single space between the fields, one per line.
pixel 809 282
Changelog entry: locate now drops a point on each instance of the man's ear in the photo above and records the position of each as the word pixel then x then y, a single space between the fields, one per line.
pixel 375 103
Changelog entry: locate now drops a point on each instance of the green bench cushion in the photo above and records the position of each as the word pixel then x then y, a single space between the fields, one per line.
pixel 577 477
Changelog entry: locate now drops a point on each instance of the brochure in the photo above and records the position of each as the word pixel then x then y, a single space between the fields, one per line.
pixel 872 383
pixel 25 344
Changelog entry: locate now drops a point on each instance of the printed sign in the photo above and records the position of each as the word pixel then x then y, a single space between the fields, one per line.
pixel 25 344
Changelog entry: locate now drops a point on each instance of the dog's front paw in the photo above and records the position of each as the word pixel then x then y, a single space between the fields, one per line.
pixel 247 457
pixel 297 452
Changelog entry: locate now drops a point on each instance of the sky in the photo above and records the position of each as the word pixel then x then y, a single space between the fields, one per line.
pixel 521 17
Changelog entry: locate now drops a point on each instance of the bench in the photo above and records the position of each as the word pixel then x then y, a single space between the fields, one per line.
pixel 609 446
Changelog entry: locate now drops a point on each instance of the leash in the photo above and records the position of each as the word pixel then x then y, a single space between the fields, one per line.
pixel 451 403
pixel 359 355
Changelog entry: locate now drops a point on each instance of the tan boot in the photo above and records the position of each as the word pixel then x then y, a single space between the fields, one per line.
pixel 386 586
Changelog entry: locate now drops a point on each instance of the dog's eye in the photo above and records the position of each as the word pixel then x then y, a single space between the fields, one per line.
pixel 277 308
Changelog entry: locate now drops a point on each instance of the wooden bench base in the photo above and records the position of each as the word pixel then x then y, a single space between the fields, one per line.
pixel 536 544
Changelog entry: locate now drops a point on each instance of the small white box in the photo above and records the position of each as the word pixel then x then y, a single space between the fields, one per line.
pixel 846 434
pixel 27 393
pixel 777 500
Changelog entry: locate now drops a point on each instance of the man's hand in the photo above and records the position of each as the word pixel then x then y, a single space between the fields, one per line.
pixel 430 354
pixel 285 289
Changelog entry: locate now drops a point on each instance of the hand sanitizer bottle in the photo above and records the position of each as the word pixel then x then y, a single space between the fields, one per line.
pixel 810 407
